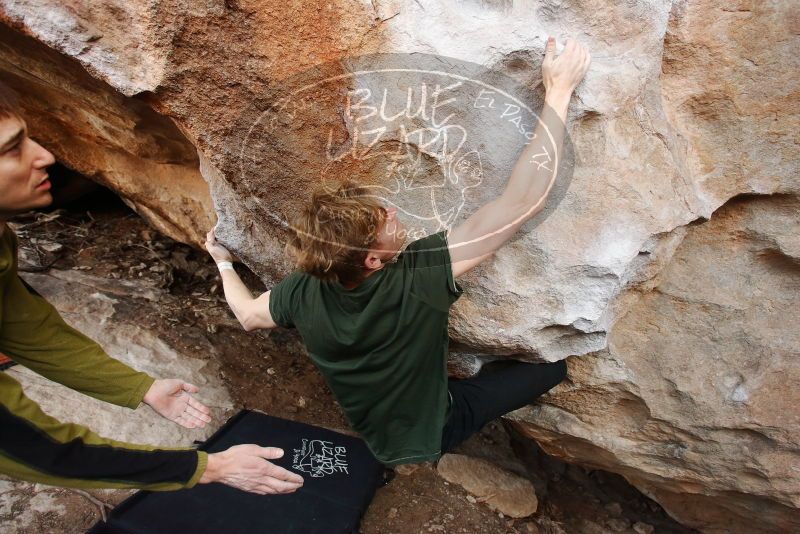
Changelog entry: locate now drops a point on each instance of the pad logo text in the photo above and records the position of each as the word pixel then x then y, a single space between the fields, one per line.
pixel 319 458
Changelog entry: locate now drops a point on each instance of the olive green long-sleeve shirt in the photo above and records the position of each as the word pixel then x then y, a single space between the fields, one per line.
pixel 37 447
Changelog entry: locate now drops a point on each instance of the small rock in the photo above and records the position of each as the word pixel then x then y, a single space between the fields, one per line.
pixel 587 526
pixel 531 528
pixel 643 528
pixel 270 371
pixel 51 246
pixel 618 524
pixel 405 469
pixel 507 493
pixel 471 499
pixel 301 402
pixel 392 513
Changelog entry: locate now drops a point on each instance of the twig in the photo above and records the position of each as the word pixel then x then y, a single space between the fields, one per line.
pixel 42 219
pixel 100 504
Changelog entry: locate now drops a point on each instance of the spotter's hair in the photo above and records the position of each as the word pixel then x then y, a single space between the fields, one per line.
pixel 334 232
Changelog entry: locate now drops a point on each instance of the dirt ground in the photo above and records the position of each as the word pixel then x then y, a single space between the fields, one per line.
pixel 269 371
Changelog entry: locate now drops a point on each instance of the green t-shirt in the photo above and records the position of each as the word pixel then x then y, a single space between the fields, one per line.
pixel 382 346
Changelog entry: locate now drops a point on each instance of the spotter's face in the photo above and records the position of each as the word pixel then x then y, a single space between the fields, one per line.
pixel 24 183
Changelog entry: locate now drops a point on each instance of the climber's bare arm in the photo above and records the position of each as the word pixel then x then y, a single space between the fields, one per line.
pixel 252 313
pixel 493 224
pixel 531 181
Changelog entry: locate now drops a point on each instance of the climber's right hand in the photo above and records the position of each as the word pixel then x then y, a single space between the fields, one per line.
pixel 563 73
pixel 217 251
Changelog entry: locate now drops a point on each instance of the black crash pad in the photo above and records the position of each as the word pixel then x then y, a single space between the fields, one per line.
pixel 340 478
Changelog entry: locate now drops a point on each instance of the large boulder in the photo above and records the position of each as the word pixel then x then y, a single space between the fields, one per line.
pixel 649 256
pixel 695 399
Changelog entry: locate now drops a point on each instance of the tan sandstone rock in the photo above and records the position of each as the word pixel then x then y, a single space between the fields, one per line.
pixel 117 141
pixel 695 400
pixel 686 106
pixel 502 490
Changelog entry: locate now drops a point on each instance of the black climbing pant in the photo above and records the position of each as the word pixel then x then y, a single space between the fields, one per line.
pixel 500 387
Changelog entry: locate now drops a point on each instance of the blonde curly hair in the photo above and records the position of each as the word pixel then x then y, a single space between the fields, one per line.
pixel 334 232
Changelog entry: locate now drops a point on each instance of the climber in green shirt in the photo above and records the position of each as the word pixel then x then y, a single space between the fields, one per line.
pixel 37 447
pixel 374 317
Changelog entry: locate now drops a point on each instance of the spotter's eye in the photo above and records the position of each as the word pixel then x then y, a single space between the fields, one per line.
pixel 13 150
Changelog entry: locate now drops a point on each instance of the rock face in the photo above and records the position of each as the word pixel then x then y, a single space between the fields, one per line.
pixel 675 290
pixel 694 399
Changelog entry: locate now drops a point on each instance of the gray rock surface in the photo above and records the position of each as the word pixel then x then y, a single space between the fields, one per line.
pixel 90 310
pixel 694 401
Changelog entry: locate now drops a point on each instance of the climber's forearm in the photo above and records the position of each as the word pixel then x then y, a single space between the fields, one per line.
pixel 236 293
pixel 251 312
pixel 526 191
pixel 534 173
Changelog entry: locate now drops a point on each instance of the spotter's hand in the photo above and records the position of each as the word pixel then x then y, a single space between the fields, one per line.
pixel 172 399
